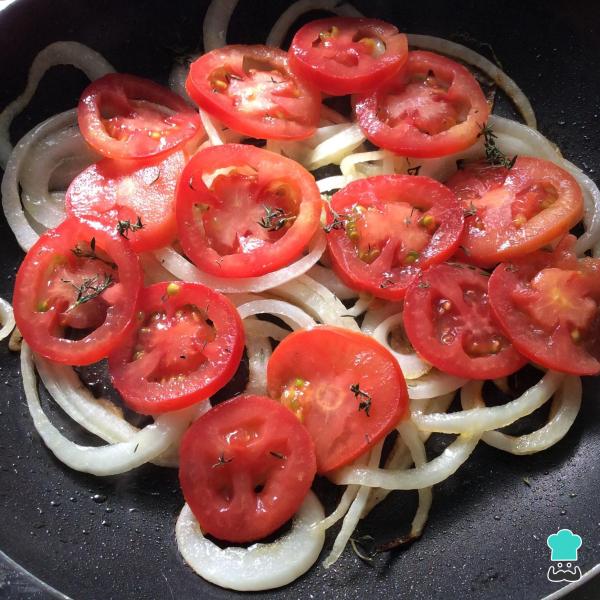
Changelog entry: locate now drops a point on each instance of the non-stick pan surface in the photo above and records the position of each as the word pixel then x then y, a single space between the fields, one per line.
pixel 94 538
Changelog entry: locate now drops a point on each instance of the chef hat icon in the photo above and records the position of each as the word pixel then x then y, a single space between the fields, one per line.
pixel 564 545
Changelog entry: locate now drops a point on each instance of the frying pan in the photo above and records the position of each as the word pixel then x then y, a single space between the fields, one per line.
pixel 486 538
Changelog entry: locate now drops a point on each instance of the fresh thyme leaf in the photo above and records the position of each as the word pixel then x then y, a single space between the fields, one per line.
pixel 80 253
pixel 493 155
pixel 338 222
pixel 124 227
pixel 89 289
pixel 414 170
pixel 222 460
pixel 386 283
pixel 365 402
pixel 277 455
pixel 275 218
pixel 471 211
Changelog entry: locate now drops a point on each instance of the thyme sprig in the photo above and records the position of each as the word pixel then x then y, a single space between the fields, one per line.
pixel 81 253
pixel 275 218
pixel 338 222
pixel 89 289
pixel 493 155
pixel 124 227
pixel 365 402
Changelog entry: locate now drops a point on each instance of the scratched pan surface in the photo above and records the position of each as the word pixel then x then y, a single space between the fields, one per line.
pixel 486 538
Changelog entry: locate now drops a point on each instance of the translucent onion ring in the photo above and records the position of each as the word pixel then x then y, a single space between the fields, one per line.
pixel 7 319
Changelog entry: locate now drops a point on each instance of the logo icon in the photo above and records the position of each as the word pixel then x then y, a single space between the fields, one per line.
pixel 564 545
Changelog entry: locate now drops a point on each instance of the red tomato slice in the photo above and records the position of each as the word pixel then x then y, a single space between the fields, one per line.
pixel 433 107
pixel 347 389
pixel 124 191
pixel 252 90
pixel 124 116
pixel 547 303
pixel 245 468
pixel 79 277
pixel 448 320
pixel 511 212
pixel 347 56
pixel 383 230
pixel 256 216
pixel 186 344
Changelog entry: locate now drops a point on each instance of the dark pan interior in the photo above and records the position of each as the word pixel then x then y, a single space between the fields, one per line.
pixel 107 538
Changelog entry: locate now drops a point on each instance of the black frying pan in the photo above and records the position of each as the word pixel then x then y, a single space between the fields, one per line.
pixel 114 538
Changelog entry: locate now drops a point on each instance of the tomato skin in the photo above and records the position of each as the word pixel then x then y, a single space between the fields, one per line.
pixel 237 446
pixel 430 122
pixel 111 191
pixel 41 329
pixel 271 250
pixel 449 323
pixel 139 129
pixel 340 65
pixel 427 198
pixel 325 359
pixel 517 210
pixel 179 368
pixel 258 106
pixel 569 301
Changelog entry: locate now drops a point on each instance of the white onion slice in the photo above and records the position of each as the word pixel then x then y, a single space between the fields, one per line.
pixel 349 164
pixel 564 411
pixel 213 133
pixel 264 329
pixel 484 419
pixel 7 318
pixel 112 459
pixel 59 53
pixel 216 23
pixel 354 512
pixel 295 317
pixel 317 300
pixel 410 435
pixel 260 566
pixel 182 269
pixel 427 475
pixel 327 277
pixel 411 364
pixel 432 384
pixel 335 182
pixel 461 52
pixel 11 198
pixel 334 149
pixel 259 352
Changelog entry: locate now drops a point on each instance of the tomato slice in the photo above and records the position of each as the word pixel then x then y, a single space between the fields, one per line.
pixel 383 230
pixel 548 305
pixel 433 107
pixel 252 90
pixel 347 55
pixel 346 388
pixel 511 212
pixel 124 194
pixel 124 116
pixel 76 277
pixel 245 468
pixel 255 216
pixel 448 320
pixel 186 344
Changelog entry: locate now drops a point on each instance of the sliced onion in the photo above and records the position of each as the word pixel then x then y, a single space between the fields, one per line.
pixel 425 476
pixel 335 182
pixel 432 384
pixel 182 269
pixel 317 300
pixel 564 410
pixel 354 513
pixel 7 318
pixel 295 317
pixel 216 23
pixel 334 149
pixel 348 165
pixel 11 198
pixel 144 446
pixel 471 57
pixel 260 566
pixel 59 53
pixel 259 352
pixel 264 329
pixel 411 364
pixel 410 435
pixel 483 419
pixel 214 135
pixel 327 278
